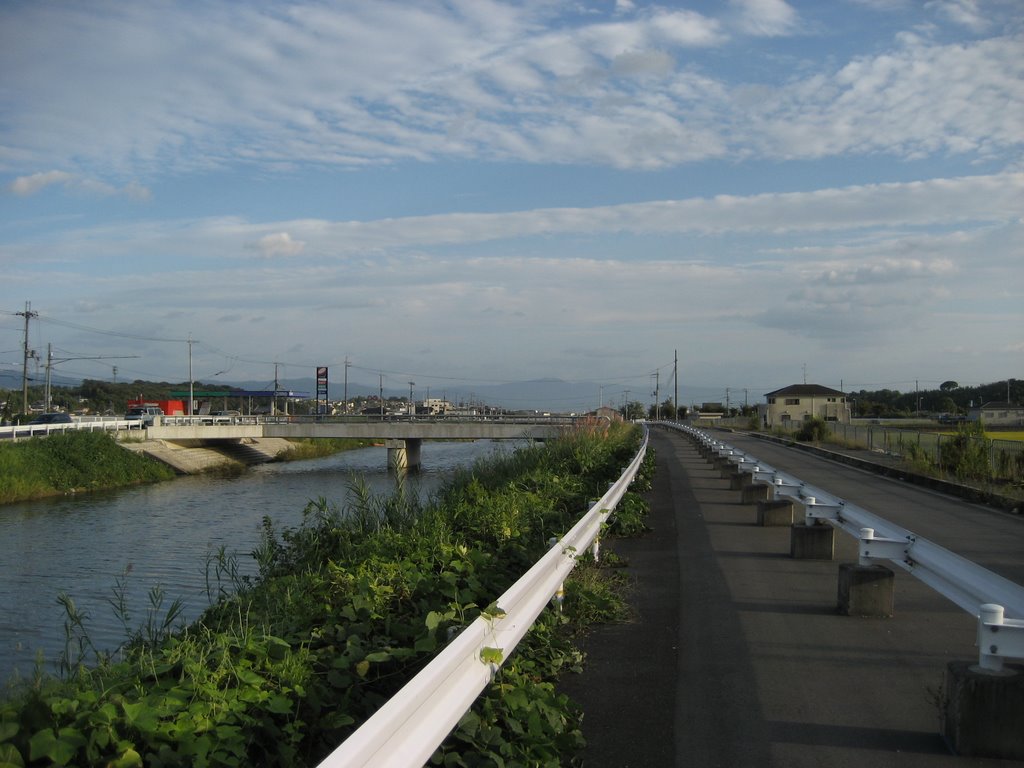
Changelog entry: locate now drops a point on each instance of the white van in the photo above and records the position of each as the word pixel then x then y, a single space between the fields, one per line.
pixel 145 413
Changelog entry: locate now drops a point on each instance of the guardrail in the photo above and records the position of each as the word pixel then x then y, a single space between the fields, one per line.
pixel 984 594
pixel 41 430
pixel 417 719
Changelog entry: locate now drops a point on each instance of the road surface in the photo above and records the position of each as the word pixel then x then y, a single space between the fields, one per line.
pixel 737 656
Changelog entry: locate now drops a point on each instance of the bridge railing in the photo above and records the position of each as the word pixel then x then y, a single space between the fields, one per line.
pixel 985 595
pixel 414 722
pixel 87 425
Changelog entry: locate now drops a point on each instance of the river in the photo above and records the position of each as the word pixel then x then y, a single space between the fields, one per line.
pixel 163 536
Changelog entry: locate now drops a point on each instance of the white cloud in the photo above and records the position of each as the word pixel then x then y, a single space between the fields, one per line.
pixel 379 83
pixel 26 186
pixel 30 185
pixel 766 18
pixel 966 13
pixel 279 244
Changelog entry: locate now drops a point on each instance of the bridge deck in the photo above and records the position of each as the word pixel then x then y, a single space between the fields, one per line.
pixel 737 656
pixel 193 428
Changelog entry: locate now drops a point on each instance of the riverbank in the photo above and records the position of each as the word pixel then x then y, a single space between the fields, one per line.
pixel 81 462
pixel 69 463
pixel 342 609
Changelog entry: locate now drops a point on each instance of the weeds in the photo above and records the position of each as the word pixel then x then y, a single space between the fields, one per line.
pixel 345 608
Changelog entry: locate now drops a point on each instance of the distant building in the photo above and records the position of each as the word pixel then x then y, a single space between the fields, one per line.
pixel 998 414
pixel 607 412
pixel 799 402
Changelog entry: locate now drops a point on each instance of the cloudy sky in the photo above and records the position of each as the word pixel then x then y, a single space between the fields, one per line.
pixel 470 191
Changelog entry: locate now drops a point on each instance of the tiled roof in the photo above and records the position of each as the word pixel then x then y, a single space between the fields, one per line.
pixel 806 389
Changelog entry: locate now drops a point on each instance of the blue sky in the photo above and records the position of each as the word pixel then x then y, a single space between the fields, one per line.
pixel 478 192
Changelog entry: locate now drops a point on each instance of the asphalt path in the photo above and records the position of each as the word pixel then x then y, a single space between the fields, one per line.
pixel 986 536
pixel 736 655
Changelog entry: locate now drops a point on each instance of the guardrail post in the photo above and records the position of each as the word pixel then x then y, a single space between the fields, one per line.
pixel 814 538
pixel 756 490
pixel 865 587
pixel 983 706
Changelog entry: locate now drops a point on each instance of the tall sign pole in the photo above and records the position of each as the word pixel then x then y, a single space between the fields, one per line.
pixel 321 390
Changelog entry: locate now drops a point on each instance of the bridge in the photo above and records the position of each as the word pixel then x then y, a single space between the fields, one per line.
pixel 402 436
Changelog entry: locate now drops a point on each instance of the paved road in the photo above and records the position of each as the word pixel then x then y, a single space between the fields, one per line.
pixel 737 656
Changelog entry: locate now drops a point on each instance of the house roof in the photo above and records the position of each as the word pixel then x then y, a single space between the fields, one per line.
pixel 806 389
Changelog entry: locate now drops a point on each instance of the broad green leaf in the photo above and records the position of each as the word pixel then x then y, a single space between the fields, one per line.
pixel 10 757
pixel 491 655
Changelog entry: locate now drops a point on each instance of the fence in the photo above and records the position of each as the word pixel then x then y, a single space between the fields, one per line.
pixel 414 722
pixel 980 592
pixel 1005 457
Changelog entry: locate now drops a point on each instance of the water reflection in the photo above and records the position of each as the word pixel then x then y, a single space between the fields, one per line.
pixel 165 535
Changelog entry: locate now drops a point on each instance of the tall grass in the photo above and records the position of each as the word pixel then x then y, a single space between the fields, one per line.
pixel 71 462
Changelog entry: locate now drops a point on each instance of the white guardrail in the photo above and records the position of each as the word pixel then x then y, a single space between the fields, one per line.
pixel 984 594
pixel 98 425
pixel 417 719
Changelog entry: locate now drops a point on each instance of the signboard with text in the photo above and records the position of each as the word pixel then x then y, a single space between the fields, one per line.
pixel 321 390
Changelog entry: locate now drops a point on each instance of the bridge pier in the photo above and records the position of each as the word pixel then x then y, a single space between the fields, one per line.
pixel 403 454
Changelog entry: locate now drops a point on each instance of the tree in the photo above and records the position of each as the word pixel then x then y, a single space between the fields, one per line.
pixel 948 386
pixel 633 410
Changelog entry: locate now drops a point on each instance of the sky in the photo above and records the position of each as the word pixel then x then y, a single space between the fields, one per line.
pixel 473 192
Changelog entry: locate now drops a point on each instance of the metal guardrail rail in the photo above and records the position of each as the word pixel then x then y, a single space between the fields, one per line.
pixel 985 595
pixel 415 721
pixel 40 430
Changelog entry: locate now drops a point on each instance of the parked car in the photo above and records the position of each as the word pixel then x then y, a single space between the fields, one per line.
pixel 144 413
pixel 52 418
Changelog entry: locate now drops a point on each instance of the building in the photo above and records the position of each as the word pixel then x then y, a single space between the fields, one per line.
pixel 792 405
pixel 998 414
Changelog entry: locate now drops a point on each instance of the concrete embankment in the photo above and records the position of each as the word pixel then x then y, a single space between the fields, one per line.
pixel 191 459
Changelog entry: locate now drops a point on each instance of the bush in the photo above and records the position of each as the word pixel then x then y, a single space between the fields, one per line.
pixel 966 454
pixel 813 431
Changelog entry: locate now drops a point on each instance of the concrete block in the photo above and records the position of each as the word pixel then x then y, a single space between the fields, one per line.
pixel 738 479
pixel 754 492
pixel 812 542
pixel 774 513
pixel 865 590
pixel 983 713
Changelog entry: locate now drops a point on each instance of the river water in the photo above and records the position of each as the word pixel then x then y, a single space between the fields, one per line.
pixel 163 535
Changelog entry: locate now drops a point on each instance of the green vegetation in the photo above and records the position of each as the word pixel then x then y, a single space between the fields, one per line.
pixel 71 462
pixel 949 398
pixel 968 455
pixel 344 610
pixel 315 449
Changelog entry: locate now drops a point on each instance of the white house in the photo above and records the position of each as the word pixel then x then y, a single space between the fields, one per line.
pixel 797 403
pixel 998 414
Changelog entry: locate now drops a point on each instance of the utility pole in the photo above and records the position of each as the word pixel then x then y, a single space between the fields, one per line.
pixel 191 390
pixel 675 376
pixel 657 395
pixel 381 395
pixel 28 314
pixel 347 364
pixel 412 404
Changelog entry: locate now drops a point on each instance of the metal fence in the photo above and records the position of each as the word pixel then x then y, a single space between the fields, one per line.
pixel 1005 457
